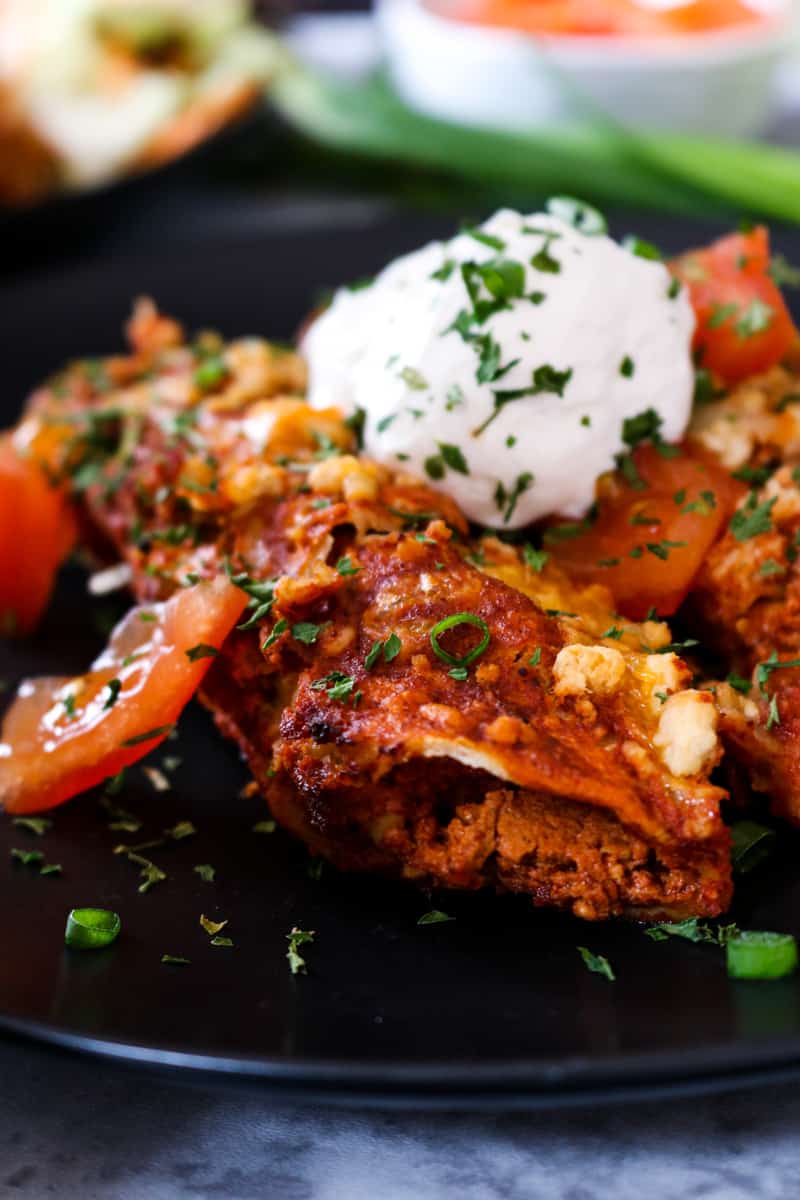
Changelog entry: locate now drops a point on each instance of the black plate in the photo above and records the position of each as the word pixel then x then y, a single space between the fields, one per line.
pixel 495 1007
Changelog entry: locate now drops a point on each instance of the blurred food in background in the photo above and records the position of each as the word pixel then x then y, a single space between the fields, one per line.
pixel 94 89
pixel 704 66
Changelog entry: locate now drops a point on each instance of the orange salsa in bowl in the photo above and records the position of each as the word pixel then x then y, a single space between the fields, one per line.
pixel 601 18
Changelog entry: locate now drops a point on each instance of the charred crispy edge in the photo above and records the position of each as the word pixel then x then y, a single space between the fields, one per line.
pixel 442 824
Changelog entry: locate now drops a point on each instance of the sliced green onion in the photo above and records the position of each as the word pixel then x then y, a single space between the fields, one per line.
pixel 91 928
pixel 760 955
pixel 580 216
pixel 751 844
pixel 463 618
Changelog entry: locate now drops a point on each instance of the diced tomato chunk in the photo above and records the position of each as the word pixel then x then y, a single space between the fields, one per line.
pixel 649 541
pixel 743 324
pixel 62 736
pixel 37 531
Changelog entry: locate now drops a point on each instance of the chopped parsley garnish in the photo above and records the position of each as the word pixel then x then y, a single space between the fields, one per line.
pixel 114 688
pixel 546 380
pixel 704 388
pixel 739 683
pixel 693 930
pixel 434 917
pixel 445 270
pixel 175 960
pixel 327 447
pixel 211 373
pixel 565 531
pixel 536 657
pixel 360 285
pixel 201 650
pixel 773 715
pixel 544 261
pixel 69 707
pixel 488 359
pixel 486 239
pixel 390 647
pixel 159 732
pixel 413 518
pixel 613 632
pixel 261 593
pixel 453 457
pixel 338 685
pixel 661 549
pixel 149 873
pixel 455 396
pixel 771 567
pixel 211 927
pixel 676 647
pixel 773 663
pixel 385 422
pixel 596 963
pixel 355 423
pixel 434 467
pixel 506 501
pixel 720 313
pixel 535 559
pixel 183 829
pixel 268 826
pixel 755 475
pixel 278 630
pixel 783 273
pixel 503 278
pixel 307 632
pixel 346 566
pixel 28 858
pixel 704 505
pixel 296 938
pixel 414 379
pixel 756 318
pixel 206 872
pixel 35 825
pixel 674 289
pixel 627 367
pixel 752 518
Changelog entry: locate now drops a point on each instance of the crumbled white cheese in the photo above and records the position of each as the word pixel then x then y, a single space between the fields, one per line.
pixel 596 669
pixel 686 738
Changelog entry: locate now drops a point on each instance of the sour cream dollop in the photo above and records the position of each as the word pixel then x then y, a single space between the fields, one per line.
pixel 502 364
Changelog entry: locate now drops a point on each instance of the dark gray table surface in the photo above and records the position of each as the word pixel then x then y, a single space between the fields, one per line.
pixel 80 1129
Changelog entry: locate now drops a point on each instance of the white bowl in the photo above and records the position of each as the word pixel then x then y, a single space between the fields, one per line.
pixel 717 83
